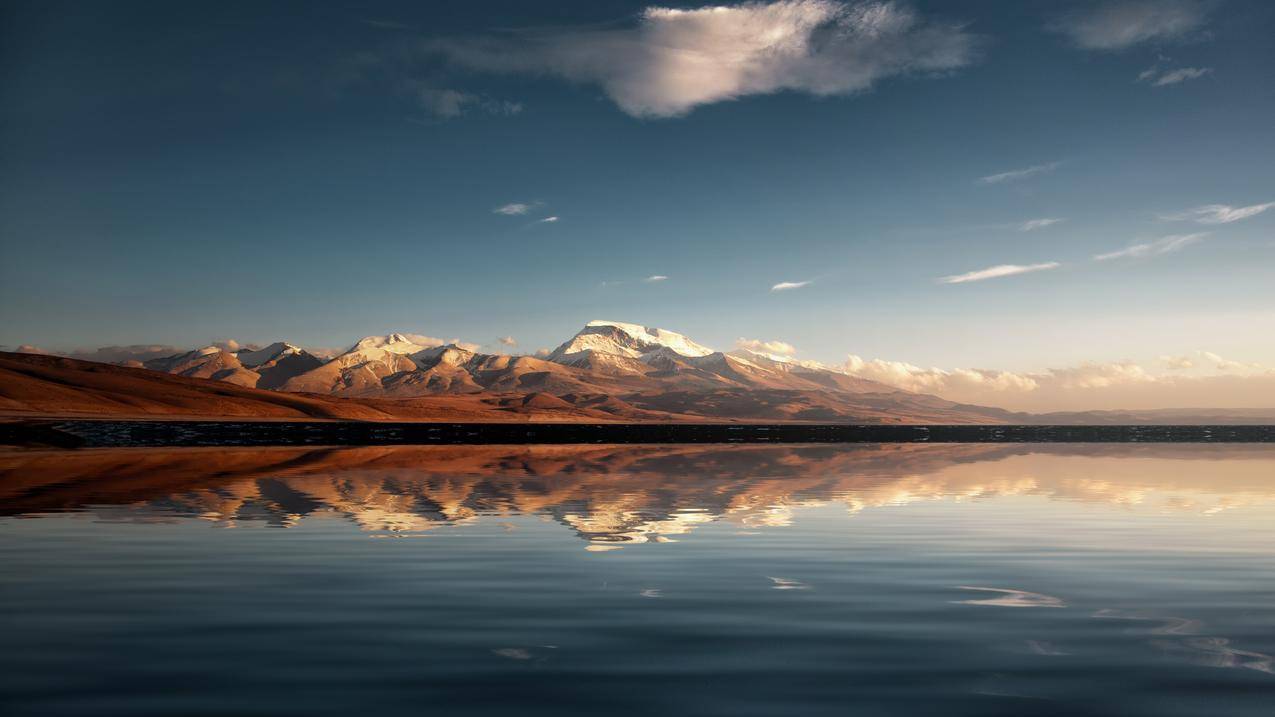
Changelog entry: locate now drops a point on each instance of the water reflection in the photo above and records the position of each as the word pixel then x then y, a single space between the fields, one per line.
pixel 612 496
pixel 1188 643
pixel 636 580
pixel 1003 597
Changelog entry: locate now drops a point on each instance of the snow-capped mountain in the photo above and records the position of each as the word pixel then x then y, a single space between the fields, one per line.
pixel 620 339
pixel 268 368
pixel 251 358
pixel 608 368
pixel 604 357
pixel 208 362
pixel 362 369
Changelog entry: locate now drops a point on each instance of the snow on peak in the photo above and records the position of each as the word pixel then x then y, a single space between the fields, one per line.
pixel 631 340
pixel 272 352
pixel 396 343
pixel 385 348
pixel 777 361
pixel 447 353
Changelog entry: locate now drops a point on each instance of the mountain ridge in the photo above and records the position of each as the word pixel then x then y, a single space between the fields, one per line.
pixel 607 371
pixel 50 387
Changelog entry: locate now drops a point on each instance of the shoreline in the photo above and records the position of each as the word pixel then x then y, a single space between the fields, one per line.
pixel 106 433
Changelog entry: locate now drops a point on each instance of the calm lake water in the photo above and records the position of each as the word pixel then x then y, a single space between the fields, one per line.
pixel 640 580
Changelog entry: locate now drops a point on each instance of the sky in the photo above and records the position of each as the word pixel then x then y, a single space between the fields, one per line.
pixel 1024 187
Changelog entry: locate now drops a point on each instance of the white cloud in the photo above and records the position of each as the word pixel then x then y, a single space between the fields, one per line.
pixel 1182 74
pixel 995 272
pixel 513 209
pixel 1032 225
pixel 232 345
pixel 654 278
pixel 1124 23
pixel 777 348
pixel 790 285
pixel 508 340
pixel 1213 382
pixel 1163 245
pixel 675 60
pixel 1015 175
pixel 1219 213
pixel 547 220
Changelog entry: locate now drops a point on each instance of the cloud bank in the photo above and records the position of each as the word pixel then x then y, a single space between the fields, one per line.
pixel 675 60
pixel 1201 379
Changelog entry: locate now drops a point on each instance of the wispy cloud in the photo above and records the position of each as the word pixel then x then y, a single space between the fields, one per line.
pixel 445 103
pixel 508 341
pixel 513 209
pixel 1229 365
pixel 674 60
pixel 1015 175
pixel 1163 245
pixel 790 285
pixel 776 348
pixel 547 220
pixel 1219 213
pixel 1124 23
pixel 652 279
pixel 1178 363
pixel 1032 225
pixel 998 271
pixel 1163 78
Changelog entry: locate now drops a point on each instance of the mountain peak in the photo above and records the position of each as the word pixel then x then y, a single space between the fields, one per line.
pixel 394 343
pixel 619 338
pixel 276 350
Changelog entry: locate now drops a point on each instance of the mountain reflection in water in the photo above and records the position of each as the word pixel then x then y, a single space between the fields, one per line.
pixel 616 495
pixel 900 579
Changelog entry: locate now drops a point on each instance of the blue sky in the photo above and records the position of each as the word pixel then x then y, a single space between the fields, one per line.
pixel 319 173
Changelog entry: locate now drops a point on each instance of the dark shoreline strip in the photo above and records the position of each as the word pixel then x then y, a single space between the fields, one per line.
pixel 75 433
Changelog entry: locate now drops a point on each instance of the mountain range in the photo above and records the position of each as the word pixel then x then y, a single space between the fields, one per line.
pixel 610 368
pixel 607 371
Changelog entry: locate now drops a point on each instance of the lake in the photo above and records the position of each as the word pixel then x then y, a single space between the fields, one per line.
pixel 891 579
